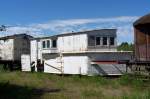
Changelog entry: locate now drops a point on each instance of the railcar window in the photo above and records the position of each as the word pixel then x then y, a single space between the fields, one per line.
pixel 54 43
pixel 104 40
pixel 98 42
pixel 43 44
pixel 112 41
pixel 48 44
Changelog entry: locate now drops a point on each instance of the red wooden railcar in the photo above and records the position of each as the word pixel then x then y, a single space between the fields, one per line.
pixel 142 39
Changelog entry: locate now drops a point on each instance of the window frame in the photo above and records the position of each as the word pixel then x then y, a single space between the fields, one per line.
pixel 53 43
pixel 99 40
pixel 110 41
pixel 106 41
pixel 47 45
pixel 43 44
pixel 46 42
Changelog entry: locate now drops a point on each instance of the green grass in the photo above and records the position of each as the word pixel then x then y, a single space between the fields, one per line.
pixel 21 85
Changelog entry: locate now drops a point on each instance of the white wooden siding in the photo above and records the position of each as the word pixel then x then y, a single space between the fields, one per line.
pixel 39 50
pixel 7 49
pixel 34 50
pixel 25 63
pixel 70 64
pixel 72 43
pixel 76 65
pixel 49 64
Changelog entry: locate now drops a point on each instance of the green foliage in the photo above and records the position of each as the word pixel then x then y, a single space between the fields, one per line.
pixel 21 85
pixel 125 46
pixel 131 80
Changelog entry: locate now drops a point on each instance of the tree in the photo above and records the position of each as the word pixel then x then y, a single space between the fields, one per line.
pixel 125 46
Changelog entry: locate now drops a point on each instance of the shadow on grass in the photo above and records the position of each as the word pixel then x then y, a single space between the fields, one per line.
pixel 10 91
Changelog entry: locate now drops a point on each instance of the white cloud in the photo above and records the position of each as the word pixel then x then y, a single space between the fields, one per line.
pixel 123 24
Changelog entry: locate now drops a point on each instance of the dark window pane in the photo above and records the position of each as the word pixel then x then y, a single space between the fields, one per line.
pixel 91 41
pixel 112 41
pixel 98 41
pixel 43 44
pixel 104 40
pixel 54 43
pixel 92 37
pixel 48 44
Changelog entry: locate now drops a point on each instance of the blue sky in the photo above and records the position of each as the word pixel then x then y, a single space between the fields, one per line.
pixel 48 17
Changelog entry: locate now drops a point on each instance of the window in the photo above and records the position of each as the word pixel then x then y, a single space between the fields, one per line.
pixel 92 37
pixel 43 44
pixel 48 44
pixel 104 40
pixel 54 43
pixel 98 41
pixel 112 41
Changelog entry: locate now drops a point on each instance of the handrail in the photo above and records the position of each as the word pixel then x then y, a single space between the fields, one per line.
pixel 53 67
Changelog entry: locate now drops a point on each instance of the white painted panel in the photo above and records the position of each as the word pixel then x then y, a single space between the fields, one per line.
pixel 72 43
pixel 49 64
pixel 7 49
pixel 25 63
pixel 60 43
pixel 76 65
pixel 33 50
pixel 39 50
pixel 71 65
